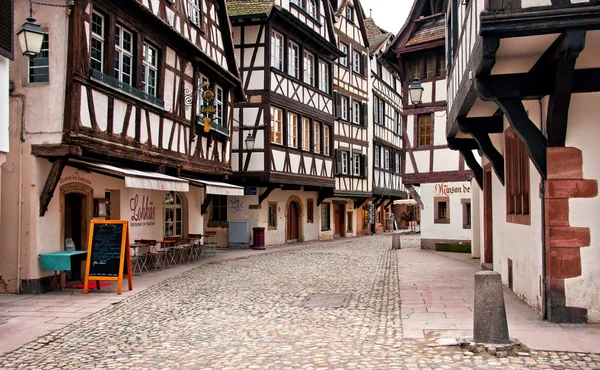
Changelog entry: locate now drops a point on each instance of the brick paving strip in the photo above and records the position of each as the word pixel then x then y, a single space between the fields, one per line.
pixel 247 313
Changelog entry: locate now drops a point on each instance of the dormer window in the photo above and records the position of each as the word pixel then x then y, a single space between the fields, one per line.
pixel 350 14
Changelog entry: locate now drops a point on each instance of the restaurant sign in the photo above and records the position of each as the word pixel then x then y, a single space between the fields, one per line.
pixel 144 212
pixel 447 190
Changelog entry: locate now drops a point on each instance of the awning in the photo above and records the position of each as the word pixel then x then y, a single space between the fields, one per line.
pixel 406 201
pixel 140 179
pixel 219 188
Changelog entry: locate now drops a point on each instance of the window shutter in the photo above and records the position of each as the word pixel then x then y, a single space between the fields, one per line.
pixel 6 28
pixel 338 162
pixel 338 105
pixel 364 165
pixel 363 65
pixel 365 114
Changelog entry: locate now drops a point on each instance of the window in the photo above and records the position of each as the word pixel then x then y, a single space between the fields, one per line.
pixel 377 156
pixel 356 63
pixel 441 210
pixel 172 213
pixel 381 108
pixel 376 109
pixel 356 112
pixel 218 117
pixel 440 69
pixel 276 125
pixel 344 163
pixel 344 60
pixel 350 14
pixel 97 43
pixel 326 140
pixel 466 212
pixel 350 221
pixel 292 130
pixel 517 179
pixel 386 159
pixel 293 60
pixel 309 211
pixel 323 77
pixel 415 68
pixel 356 164
pixel 311 8
pixel 39 67
pixel 150 71
pixel 272 215
pixel 344 108
pixel 397 162
pixel 123 55
pixel 428 67
pixel 325 216
pixel 424 133
pixel 219 208
pixel 305 134
pixel 277 51
pixel 398 127
pixel 194 11
pixel 317 143
pixel 309 68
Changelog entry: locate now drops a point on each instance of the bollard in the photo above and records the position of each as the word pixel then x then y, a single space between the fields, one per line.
pixel 489 316
pixel 396 241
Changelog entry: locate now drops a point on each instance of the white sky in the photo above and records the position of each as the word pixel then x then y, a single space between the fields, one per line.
pixel 388 14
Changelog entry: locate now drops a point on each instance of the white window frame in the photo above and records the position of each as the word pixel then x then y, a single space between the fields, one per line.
pixel 292 130
pixel 356 164
pixel 100 39
pixel 309 68
pixel 356 62
pixel 276 125
pixel 386 159
pixel 293 60
pixel 194 12
pixel 306 134
pixel 277 42
pixel 219 103
pixel 317 136
pixel 34 65
pixel 344 107
pixel 377 156
pixel 124 53
pixel 397 162
pixel 356 112
pixel 311 8
pixel 344 49
pixel 170 226
pixel 344 163
pixel 326 140
pixel 350 14
pixel 323 77
pixel 149 66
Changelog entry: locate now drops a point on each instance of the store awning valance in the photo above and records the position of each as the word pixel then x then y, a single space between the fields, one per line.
pixel 219 188
pixel 139 179
pixel 410 202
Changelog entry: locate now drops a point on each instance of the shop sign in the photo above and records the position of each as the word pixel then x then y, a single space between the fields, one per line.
pixel 447 190
pixel 250 190
pixel 144 212
pixel 75 178
pixel 236 204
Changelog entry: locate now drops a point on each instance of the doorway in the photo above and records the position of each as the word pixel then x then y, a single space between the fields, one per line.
pixel 73 218
pixel 488 219
pixel 338 220
pixel 292 222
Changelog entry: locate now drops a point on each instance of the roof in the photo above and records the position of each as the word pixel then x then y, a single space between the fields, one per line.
pixel 376 35
pixel 431 29
pixel 241 8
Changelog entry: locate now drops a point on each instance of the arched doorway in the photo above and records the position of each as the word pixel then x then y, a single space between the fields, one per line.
pixel 77 209
pixel 293 215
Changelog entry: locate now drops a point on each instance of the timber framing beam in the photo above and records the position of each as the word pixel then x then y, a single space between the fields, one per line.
pixel 358 202
pixel 205 204
pixel 55 150
pixel 466 147
pixel 50 186
pixel 265 194
pixel 324 194
pixel 480 128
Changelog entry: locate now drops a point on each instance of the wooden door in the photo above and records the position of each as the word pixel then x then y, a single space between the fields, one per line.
pixel 488 236
pixel 292 222
pixel 338 220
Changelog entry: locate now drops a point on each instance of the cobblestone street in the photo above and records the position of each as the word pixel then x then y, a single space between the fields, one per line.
pixel 252 313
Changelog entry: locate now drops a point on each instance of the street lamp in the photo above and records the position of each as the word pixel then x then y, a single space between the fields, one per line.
pixel 415 91
pixel 31 36
pixel 249 142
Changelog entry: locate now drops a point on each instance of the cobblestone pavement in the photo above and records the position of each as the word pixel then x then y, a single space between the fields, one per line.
pixel 248 313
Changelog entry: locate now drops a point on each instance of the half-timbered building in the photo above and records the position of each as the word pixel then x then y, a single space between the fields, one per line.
pixel 285 50
pixel 352 133
pixel 524 89
pixel 442 178
pixel 386 107
pixel 125 114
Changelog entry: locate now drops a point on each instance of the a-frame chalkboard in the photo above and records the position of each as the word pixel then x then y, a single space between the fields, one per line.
pixel 108 257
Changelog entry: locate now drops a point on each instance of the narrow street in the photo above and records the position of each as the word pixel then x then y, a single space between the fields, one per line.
pixel 253 312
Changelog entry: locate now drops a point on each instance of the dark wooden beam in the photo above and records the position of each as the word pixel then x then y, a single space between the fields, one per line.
pixel 53 177
pixel 388 203
pixel 473 164
pixel 324 194
pixel 291 187
pixel 265 194
pixel 490 125
pixel 358 202
pixel 55 150
pixel 480 128
pixel 205 204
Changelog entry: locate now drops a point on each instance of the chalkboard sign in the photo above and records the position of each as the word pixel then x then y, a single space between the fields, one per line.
pixel 106 250
pixel 108 256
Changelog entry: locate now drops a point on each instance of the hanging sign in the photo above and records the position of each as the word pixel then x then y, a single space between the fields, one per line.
pixel 108 257
pixel 208 108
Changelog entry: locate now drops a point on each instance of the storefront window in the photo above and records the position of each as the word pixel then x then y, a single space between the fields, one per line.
pixel 173 219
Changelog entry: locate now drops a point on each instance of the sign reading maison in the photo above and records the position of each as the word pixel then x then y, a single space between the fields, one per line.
pixel 447 190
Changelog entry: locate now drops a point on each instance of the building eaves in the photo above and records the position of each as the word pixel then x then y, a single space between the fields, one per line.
pixel 247 8
pixel 431 29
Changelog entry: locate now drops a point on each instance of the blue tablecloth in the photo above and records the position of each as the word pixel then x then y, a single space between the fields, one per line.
pixel 58 261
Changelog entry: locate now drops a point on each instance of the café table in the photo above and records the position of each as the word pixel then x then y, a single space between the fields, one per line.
pixel 58 262
pixel 140 259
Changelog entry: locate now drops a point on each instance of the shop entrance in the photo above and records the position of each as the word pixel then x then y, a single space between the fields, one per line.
pixel 292 222
pixel 73 218
pixel 338 220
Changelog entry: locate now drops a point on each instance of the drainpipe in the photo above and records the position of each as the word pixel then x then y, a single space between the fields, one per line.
pixel 20 207
pixel 543 196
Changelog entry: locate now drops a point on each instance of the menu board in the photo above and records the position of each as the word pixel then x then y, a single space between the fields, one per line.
pixel 108 256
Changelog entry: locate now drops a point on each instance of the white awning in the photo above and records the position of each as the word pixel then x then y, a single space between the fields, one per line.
pixel 406 201
pixel 142 179
pixel 219 188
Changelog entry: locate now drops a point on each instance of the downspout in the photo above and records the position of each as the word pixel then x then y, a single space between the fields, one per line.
pixel 543 197
pixel 20 207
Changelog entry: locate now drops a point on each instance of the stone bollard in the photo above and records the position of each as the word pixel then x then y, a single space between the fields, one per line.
pixel 489 324
pixel 396 241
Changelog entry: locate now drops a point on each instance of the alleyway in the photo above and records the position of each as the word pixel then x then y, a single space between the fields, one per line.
pixel 253 312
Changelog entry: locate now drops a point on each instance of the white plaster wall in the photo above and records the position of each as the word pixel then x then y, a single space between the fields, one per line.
pixel 445 160
pixel 476 220
pixel 453 230
pixel 582 132
pixel 439 133
pixel 4 102
pixel 427 92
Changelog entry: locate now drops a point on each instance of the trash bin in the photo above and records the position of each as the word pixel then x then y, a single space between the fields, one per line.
pixel 259 238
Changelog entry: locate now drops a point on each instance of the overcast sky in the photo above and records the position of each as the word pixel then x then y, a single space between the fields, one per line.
pixel 388 14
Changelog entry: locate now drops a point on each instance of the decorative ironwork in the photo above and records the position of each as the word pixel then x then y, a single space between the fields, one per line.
pixel 188 98
pixel 126 88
